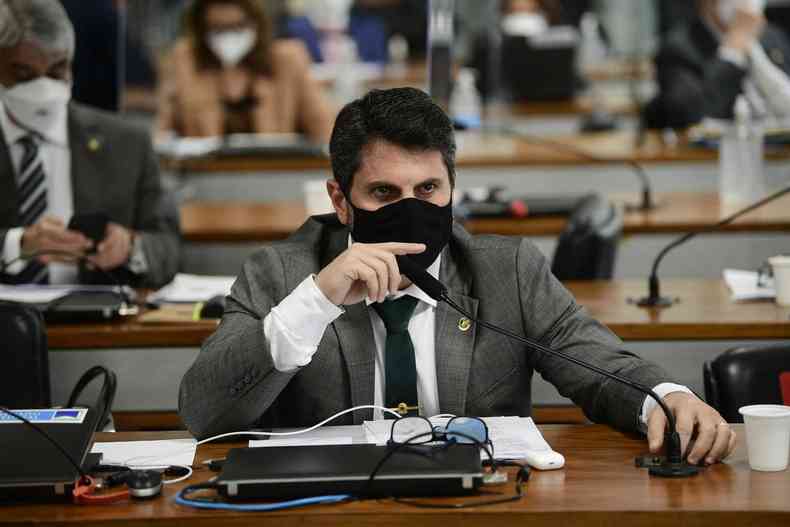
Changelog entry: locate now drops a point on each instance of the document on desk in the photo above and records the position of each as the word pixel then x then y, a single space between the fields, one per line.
pixel 512 437
pixel 744 285
pixel 148 454
pixel 193 288
pixel 44 294
pixel 326 435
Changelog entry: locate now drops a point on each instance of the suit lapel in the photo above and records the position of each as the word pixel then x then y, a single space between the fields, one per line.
pixel 8 190
pixel 455 340
pixel 87 143
pixel 355 335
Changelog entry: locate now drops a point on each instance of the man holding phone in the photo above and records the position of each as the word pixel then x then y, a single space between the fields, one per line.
pixel 74 182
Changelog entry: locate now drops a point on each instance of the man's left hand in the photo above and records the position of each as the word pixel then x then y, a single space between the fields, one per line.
pixel 114 250
pixel 714 438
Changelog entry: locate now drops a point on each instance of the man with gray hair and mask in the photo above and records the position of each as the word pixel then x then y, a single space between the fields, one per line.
pixel 725 51
pixel 76 184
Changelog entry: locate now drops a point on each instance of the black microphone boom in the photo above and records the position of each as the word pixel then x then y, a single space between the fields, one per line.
pixel 654 298
pixel 672 466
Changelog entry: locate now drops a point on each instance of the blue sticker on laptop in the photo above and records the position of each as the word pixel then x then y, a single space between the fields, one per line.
pixel 47 416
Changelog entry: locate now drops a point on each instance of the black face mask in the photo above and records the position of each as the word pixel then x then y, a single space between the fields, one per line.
pixel 409 220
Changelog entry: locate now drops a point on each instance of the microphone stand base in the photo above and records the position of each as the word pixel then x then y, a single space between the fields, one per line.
pixel 647 301
pixel 673 470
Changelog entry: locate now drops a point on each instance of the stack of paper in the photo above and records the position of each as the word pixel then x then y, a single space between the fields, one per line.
pixel 148 454
pixel 193 288
pixel 743 285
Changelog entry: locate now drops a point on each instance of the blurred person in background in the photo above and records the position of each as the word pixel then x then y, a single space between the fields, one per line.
pixel 228 75
pixel 726 50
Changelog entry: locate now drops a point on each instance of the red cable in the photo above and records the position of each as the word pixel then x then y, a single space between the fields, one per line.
pixel 84 493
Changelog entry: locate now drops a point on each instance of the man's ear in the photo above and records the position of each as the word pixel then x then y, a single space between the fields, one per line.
pixel 342 207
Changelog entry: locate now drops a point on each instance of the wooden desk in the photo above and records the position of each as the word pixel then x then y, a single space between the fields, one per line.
pixel 237 222
pixel 598 486
pixel 704 313
pixel 476 150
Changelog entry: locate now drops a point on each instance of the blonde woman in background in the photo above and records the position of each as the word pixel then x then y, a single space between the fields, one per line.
pixel 228 75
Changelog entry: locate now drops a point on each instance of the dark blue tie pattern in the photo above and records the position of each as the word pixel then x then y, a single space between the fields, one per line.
pixel 32 191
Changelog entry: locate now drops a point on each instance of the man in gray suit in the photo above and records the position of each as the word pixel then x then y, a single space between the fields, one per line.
pixel 324 321
pixel 60 159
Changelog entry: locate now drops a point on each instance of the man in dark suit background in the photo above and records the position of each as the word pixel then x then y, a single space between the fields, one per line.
pixel 59 159
pixel 726 50
pixel 324 320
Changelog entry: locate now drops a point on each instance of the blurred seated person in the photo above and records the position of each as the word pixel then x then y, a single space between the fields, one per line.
pixel 727 50
pixel 227 75
pixel 59 159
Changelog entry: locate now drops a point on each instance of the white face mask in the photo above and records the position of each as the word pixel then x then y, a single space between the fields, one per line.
pixel 231 47
pixel 524 24
pixel 726 8
pixel 37 105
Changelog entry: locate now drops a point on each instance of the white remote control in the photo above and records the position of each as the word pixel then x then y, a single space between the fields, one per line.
pixel 545 459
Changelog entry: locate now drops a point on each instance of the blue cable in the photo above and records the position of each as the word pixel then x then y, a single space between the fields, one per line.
pixel 261 507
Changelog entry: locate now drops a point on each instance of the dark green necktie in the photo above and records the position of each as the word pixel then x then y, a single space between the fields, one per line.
pixel 399 364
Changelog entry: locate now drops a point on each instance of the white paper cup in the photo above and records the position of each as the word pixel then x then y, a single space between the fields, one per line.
pixel 781 268
pixel 316 199
pixel 767 436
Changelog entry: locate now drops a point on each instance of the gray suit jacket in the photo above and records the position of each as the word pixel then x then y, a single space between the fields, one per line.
pixel 113 170
pixel 233 384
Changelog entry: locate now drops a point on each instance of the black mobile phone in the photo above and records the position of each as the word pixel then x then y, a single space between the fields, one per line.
pixel 93 225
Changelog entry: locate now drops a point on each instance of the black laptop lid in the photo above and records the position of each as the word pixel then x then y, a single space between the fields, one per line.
pixel 27 458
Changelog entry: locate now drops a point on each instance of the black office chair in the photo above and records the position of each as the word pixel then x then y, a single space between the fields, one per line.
pixel 743 376
pixel 587 248
pixel 24 372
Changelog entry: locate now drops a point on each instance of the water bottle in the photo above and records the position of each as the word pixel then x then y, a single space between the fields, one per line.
pixel 465 100
pixel 741 158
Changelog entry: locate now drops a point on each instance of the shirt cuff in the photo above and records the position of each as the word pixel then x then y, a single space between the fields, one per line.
pixel 734 56
pixel 12 249
pixel 662 390
pixel 295 327
pixel 138 263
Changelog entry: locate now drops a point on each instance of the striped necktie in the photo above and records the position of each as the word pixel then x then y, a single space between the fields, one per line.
pixel 32 190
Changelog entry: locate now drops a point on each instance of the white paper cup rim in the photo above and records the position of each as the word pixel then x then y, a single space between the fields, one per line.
pixel 765 410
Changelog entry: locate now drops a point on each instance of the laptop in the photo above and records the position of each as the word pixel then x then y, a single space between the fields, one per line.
pixel 301 471
pixel 30 466
pixel 540 68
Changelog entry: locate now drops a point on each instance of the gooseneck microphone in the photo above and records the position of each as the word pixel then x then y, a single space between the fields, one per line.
pixel 673 464
pixel 654 298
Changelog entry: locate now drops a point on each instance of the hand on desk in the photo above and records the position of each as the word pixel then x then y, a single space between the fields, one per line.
pixel 51 234
pixel 114 250
pixel 364 270
pixel 714 438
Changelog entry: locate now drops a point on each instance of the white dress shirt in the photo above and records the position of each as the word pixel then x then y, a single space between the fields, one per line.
pixel 295 326
pixel 56 156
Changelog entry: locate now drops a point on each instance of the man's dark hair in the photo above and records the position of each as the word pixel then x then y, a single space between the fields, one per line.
pixel 406 117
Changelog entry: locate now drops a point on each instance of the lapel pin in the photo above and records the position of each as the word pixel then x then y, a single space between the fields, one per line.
pixel 464 324
pixel 777 56
pixel 94 144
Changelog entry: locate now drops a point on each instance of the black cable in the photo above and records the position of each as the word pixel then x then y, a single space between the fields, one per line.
pixel 71 460
pixel 106 394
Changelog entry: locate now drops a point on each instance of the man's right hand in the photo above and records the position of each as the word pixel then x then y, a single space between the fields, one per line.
pixel 745 29
pixel 364 270
pixel 50 234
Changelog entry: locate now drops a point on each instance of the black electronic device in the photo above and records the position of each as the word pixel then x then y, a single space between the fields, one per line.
pixel 289 472
pixel 31 466
pixel 539 68
pixel 143 484
pixel 85 306
pixel 268 145
pixel 654 298
pixel 673 465
pixel 214 307
pixel 92 225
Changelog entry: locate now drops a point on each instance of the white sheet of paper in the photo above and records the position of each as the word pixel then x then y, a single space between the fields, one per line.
pixel 193 288
pixel 148 454
pixel 32 294
pixel 326 435
pixel 298 441
pixel 743 286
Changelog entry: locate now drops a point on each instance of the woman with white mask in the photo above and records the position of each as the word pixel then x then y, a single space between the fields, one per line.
pixel 228 75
